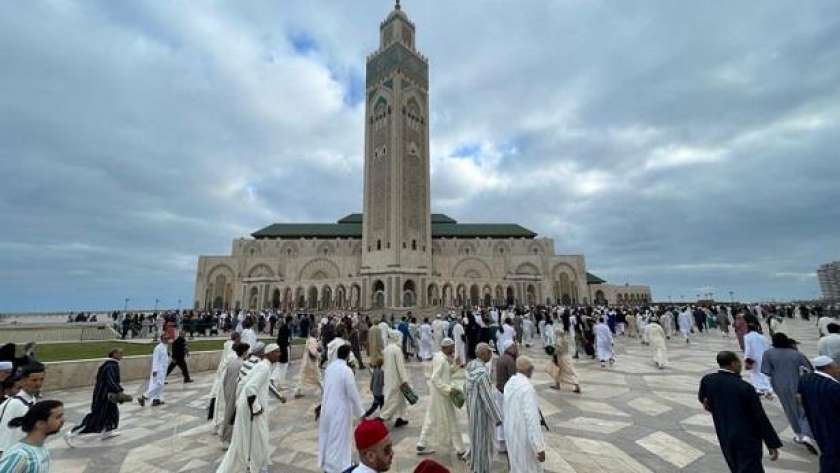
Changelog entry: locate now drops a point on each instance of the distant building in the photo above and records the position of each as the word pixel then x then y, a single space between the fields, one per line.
pixel 829 276
pixel 601 293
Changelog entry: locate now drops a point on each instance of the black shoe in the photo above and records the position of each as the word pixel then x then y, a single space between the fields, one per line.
pixel 157 402
pixel 142 401
pixel 399 423
pixel 188 381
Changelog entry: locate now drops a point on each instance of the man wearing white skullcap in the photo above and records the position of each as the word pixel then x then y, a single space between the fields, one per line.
pixel 250 445
pixel 440 426
pixel 820 394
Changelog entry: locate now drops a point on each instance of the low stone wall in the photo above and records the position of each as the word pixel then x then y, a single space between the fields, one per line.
pixel 79 332
pixel 80 373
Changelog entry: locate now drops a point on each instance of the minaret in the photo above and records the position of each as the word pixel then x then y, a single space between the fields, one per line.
pixel 396 226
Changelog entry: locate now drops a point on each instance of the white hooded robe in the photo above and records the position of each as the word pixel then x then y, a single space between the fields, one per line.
pixel 340 405
pixel 523 433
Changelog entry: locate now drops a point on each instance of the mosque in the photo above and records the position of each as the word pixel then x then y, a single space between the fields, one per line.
pixel 397 254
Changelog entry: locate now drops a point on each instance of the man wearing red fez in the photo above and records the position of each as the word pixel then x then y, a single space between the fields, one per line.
pixel 430 466
pixel 374 446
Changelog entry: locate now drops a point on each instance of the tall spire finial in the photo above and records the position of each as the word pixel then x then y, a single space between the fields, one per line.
pixel 397 6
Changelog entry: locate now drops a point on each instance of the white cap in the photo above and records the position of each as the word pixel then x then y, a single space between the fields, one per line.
pixel 6 365
pixel 506 344
pixel 271 347
pixel 822 361
pixel 447 342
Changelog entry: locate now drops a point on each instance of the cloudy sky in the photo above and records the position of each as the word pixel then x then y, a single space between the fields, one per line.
pixel 692 146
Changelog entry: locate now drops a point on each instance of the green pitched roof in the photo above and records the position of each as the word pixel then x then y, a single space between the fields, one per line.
pixel 436 218
pixel 592 279
pixel 351 227
pixel 310 230
pixel 482 230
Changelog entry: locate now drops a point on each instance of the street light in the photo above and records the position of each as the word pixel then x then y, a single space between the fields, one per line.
pixel 179 305
pixel 732 296
pixel 156 303
pixel 125 307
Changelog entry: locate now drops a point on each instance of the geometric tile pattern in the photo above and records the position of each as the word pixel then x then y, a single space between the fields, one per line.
pixel 630 418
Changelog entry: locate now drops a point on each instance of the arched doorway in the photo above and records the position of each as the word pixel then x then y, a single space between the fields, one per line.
pixel 312 298
pixel 378 296
pixel 446 295
pixel 409 298
pixel 355 296
pixel 254 298
pixel 475 295
pixel 461 295
pixel 599 297
pixel 509 294
pixel 340 297
pixel 531 294
pixel 326 298
pixel 432 298
pixel 287 299
pixel 275 299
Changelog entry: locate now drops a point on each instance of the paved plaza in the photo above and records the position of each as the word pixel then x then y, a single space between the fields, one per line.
pixel 630 418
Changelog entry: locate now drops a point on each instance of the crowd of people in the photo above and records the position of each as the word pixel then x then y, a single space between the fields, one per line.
pixel 477 368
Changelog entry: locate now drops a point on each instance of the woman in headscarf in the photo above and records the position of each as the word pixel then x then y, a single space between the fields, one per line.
pixel 562 368
pixel 783 363
pixel 656 338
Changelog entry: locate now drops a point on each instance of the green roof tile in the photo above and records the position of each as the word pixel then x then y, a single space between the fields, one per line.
pixel 592 279
pixel 351 227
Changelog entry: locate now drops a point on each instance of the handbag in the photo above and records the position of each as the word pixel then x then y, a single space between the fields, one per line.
pixel 119 398
pixel 457 398
pixel 409 394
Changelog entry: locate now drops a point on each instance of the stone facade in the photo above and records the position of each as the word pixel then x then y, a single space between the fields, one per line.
pixel 327 273
pixel 619 294
pixel 396 254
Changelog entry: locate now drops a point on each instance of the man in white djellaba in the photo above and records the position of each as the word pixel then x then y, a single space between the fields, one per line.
pixel 250 445
pixel 160 361
pixel 685 321
pixel 527 329
pixel 523 434
pixel 460 344
pixel 340 406
pixel 426 341
pixel 754 347
pixel 604 343
pixel 440 425
pixel 396 376
pixel 437 333
pixel 216 395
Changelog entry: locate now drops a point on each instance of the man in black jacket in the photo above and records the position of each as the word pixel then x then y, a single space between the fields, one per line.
pixel 740 421
pixel 179 358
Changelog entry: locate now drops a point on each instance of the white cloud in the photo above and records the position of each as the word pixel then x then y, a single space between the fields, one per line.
pixel 145 133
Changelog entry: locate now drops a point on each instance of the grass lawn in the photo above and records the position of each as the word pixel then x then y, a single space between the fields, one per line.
pixel 87 350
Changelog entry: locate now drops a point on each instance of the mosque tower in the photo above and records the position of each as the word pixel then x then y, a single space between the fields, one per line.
pixel 396 233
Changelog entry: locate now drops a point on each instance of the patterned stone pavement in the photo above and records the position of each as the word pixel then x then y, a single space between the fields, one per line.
pixel 630 418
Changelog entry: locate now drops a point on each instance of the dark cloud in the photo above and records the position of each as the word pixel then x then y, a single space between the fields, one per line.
pixel 675 144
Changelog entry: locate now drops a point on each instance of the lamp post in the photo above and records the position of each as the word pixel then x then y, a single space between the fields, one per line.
pixel 156 303
pixel 125 307
pixel 179 305
pixel 732 296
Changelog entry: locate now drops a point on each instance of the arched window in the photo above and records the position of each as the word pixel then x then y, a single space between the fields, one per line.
pixel 378 245
pixel 413 244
